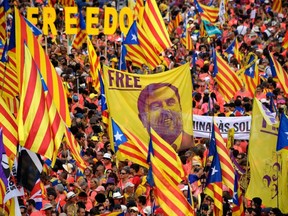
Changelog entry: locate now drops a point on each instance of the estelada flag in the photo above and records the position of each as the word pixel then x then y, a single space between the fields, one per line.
pixel 161 101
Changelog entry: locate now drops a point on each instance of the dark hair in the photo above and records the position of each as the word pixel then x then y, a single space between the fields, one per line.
pixel 31 202
pixel 136 167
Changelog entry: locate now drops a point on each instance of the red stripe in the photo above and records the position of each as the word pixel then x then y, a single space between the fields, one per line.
pixel 151 26
pixel 177 194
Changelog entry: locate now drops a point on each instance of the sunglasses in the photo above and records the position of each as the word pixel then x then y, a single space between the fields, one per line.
pixel 122 173
pixel 101 209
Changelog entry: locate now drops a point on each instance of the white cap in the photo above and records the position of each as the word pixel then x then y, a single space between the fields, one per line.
pixel 117 195
pixel 107 156
pixel 129 184
pixel 70 195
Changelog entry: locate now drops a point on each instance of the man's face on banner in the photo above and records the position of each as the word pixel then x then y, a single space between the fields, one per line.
pixel 163 112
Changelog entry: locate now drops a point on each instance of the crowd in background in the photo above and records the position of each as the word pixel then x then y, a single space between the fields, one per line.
pixel 110 186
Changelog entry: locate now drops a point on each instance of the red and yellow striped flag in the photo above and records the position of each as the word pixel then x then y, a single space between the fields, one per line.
pixel 228 81
pixel 177 20
pixel 95 66
pixel 237 53
pixel 9 81
pixel 12 104
pixel 129 151
pixel 227 169
pixel 67 3
pixel 148 48
pixel 74 148
pixel 285 41
pixel 280 72
pixel 277 6
pixel 165 155
pixel 167 193
pixel 10 130
pixel 52 79
pixel 154 27
pixel 40 126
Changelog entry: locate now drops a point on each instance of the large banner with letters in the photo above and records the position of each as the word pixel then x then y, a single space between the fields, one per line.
pixel 161 101
pixel 202 126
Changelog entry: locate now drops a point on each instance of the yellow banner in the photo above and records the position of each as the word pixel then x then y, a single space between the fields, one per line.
pixel 161 101
pixel 269 169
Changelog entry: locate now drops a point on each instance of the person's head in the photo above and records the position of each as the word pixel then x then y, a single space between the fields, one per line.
pixel 31 204
pixel 275 212
pixel 133 211
pixel 160 108
pixel 23 210
pixel 81 211
pixel 256 202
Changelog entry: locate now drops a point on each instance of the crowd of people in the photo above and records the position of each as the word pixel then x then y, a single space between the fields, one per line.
pixel 108 185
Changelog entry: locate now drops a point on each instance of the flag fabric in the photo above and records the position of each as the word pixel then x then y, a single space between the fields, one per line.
pixel 52 79
pixel 122 60
pixel 226 165
pixel 267 163
pixel 104 107
pixel 9 81
pixel 81 35
pixel 67 3
pixel 118 136
pixel 95 66
pixel 142 53
pixel 168 194
pixel 147 47
pixel 132 35
pixel 211 29
pixel 9 130
pixel 238 208
pixel 3 178
pixel 207 13
pixel 228 81
pixel 277 70
pixel 131 149
pixel 285 41
pixel 4 7
pixel 217 144
pixel 113 214
pixel 251 74
pixel 12 104
pixel 154 27
pixel 36 31
pixel 187 40
pixel 29 169
pixel 74 148
pixel 42 135
pixel 4 51
pixel 282 140
pixel 222 12
pixel 277 6
pixel 233 49
pixel 214 180
pixel 137 90
pixel 36 194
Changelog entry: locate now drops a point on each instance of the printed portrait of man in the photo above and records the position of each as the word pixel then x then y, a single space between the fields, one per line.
pixel 159 107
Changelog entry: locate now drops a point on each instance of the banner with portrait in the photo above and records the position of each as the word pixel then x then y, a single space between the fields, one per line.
pixel 162 101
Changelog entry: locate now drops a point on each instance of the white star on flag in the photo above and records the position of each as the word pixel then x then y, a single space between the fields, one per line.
pixel 235 194
pixel 286 134
pixel 104 98
pixel 118 136
pixel 214 170
pixel 250 70
pixel 134 37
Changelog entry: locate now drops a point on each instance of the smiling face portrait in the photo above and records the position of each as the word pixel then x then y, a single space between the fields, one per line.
pixel 160 108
